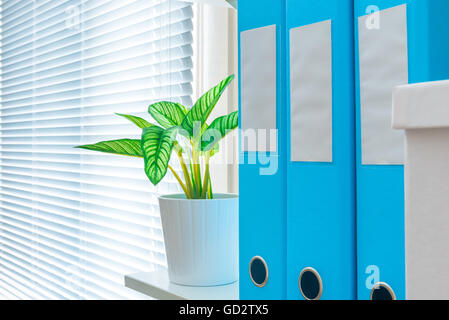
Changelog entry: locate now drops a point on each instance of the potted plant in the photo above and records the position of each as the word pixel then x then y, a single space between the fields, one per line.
pixel 200 228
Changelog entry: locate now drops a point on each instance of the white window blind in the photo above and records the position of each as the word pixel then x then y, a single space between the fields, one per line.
pixel 73 222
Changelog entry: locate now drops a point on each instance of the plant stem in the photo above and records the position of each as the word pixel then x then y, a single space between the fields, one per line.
pixel 191 175
pixel 206 178
pixel 211 195
pixel 196 168
pixel 189 186
pixel 180 182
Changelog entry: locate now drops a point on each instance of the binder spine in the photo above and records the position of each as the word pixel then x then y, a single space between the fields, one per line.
pixel 380 186
pixel 262 168
pixel 380 173
pixel 321 180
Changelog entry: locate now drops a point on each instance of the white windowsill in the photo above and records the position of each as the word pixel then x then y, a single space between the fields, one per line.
pixel 156 285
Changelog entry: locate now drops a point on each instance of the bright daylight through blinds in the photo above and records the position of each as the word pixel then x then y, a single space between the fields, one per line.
pixel 74 222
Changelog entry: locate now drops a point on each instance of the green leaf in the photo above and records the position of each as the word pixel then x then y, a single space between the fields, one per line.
pixel 204 106
pixel 168 114
pixel 124 147
pixel 141 123
pixel 218 129
pixel 157 145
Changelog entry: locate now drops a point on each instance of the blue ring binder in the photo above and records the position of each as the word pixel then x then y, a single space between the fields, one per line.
pixel 304 215
pixel 262 193
pixel 321 191
pixel 380 186
pixel 336 201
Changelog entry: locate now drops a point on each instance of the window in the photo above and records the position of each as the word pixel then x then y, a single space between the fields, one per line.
pixel 72 223
pixel 215 57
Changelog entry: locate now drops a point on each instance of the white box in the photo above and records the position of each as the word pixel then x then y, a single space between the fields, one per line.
pixel 423 111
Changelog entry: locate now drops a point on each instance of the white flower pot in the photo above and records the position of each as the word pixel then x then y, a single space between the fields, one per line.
pixel 201 239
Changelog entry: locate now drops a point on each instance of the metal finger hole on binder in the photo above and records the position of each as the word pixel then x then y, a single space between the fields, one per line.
pixel 310 284
pixel 382 291
pixel 258 271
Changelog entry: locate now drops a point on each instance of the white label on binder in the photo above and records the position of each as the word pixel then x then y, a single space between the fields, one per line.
pixel 258 89
pixel 383 65
pixel 311 92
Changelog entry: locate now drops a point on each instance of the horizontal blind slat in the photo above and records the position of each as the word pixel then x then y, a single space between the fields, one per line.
pixel 66 68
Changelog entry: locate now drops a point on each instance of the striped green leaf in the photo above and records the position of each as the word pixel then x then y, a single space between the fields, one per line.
pixel 157 145
pixel 204 106
pixel 124 147
pixel 168 114
pixel 141 123
pixel 218 129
